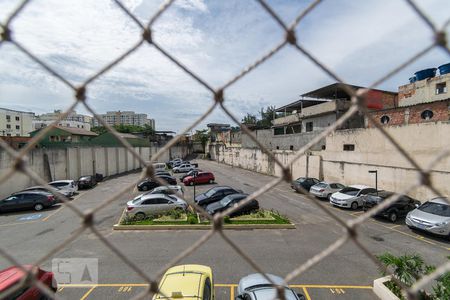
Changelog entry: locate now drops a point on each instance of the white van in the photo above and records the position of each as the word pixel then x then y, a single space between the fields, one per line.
pixel 159 167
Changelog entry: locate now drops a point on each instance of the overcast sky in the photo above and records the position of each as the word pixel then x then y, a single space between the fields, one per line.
pixel 359 40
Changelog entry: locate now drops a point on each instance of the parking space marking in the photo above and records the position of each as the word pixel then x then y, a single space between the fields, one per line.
pixel 125 289
pixel 305 291
pixel 393 228
pixel 88 292
pixel 232 292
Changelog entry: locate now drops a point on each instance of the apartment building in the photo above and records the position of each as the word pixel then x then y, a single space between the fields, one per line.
pixel 15 123
pixel 72 120
pixel 125 118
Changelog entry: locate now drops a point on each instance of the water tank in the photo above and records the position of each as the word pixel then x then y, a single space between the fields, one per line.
pixel 426 73
pixel 444 69
pixel 412 79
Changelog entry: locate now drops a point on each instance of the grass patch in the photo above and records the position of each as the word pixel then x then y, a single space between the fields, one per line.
pixel 190 218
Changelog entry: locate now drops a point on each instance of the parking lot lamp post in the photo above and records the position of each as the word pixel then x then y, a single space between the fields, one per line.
pixel 376 178
pixel 193 180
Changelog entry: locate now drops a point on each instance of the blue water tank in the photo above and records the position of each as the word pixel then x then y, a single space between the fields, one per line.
pixel 412 79
pixel 426 73
pixel 444 69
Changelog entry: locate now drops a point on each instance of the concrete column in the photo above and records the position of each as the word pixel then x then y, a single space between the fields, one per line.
pixel 105 149
pixel 78 156
pixel 68 165
pixel 117 160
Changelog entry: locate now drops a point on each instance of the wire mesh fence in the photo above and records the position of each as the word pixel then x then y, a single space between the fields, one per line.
pixel 218 102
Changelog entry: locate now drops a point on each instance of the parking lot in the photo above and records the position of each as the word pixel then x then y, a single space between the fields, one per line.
pixel 347 273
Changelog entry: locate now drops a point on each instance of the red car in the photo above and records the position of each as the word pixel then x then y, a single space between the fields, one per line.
pixel 12 276
pixel 201 177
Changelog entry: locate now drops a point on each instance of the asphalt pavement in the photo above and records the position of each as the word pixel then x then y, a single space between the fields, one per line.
pixel 347 273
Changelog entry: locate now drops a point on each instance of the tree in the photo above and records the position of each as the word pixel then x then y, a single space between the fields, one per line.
pixel 99 129
pixel 201 136
pixel 249 119
pixel 146 130
pixel 267 116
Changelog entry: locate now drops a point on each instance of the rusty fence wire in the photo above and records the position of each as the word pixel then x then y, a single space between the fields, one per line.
pixel 218 101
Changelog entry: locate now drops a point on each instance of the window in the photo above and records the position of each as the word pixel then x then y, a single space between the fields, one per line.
pixel 17 126
pixel 297 128
pixel 441 88
pixel 17 118
pixel 278 130
pixel 8 118
pixel 385 119
pixel 349 147
pixel 427 114
pixel 291 148
pixel 8 134
pixel 8 126
pixel 309 126
pixel 207 290
pixel 278 147
pixel 162 201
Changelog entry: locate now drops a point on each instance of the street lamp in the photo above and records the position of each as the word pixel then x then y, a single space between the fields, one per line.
pixel 376 178
pixel 193 181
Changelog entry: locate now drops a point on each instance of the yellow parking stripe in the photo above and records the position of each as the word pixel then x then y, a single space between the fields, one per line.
pixel 305 291
pixel 231 292
pixel 87 293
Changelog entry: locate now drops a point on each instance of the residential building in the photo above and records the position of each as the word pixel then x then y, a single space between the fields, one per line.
pixel 425 99
pixel 73 120
pixel 297 123
pixel 219 132
pixel 125 118
pixel 15 123
pixel 16 142
pixel 64 136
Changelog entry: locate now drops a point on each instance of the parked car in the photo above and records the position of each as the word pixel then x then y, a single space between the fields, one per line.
pixel 187 282
pixel 183 168
pixel 257 287
pixel 158 173
pixel 304 182
pixel 215 194
pixel 170 163
pixel 400 208
pixel 36 200
pixel 12 276
pixel 230 201
pixel 65 185
pixel 167 190
pixel 86 182
pixel 190 173
pixel 433 216
pixel 150 183
pixel 50 190
pixel 351 196
pixel 201 177
pixel 159 167
pixel 325 189
pixel 153 204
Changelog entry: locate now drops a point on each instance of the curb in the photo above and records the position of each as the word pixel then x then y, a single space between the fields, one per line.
pixel 203 227
pixel 381 290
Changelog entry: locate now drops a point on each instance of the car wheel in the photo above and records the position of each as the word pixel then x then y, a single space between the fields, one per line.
pixel 211 181
pixel 38 207
pixel 355 205
pixel 393 217
pixel 145 188
pixel 191 183
pixel 139 216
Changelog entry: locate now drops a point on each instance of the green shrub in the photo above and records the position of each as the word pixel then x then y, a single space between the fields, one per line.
pixel 226 220
pixel 175 214
pixel 192 219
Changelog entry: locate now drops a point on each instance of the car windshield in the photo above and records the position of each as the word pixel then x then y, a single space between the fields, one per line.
pixel 321 185
pixel 350 191
pixel 210 192
pixel 84 178
pixel 225 201
pixel 439 209
pixel 270 292
pixel 301 179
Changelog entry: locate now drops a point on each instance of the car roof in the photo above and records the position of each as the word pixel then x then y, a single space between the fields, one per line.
pixel 185 279
pixel 441 200
pixel 85 176
pixel 233 196
pixel 359 186
pixel 221 187
pixel 31 192
pixel 10 276
pixel 166 187
pixel 383 194
pixel 258 279
pixel 151 196
pixel 65 181
pixel 203 172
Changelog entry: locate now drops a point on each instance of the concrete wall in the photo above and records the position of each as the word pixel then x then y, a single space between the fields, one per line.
pixel 71 163
pixel 424 142
pixel 423 91
pixel 283 142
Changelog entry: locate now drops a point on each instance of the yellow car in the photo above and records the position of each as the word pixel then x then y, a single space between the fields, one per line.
pixel 187 282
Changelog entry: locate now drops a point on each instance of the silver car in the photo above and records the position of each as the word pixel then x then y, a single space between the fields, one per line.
pixel 67 185
pixel 166 189
pixel 351 196
pixel 324 189
pixel 432 216
pixel 257 287
pixel 183 168
pixel 153 204
pixel 50 189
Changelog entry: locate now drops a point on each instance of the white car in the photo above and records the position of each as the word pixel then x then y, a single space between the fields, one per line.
pixel 432 216
pixel 325 190
pixel 153 204
pixel 65 185
pixel 183 168
pixel 166 190
pixel 351 196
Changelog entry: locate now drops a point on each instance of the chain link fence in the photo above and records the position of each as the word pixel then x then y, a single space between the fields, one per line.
pixel 218 101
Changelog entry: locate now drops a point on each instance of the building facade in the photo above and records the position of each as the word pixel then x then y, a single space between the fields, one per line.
pixel 37 124
pixel 125 118
pixel 15 123
pixel 426 100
